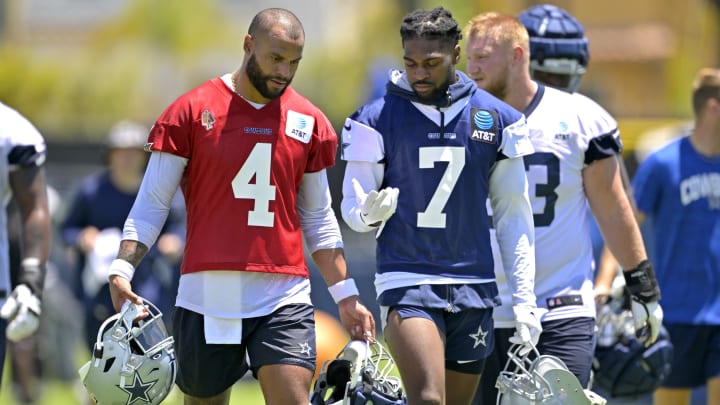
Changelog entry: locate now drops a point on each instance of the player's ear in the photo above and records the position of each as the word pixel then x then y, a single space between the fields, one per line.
pixel 248 43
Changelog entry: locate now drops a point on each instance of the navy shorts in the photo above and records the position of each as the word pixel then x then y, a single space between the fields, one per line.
pixel 696 355
pixel 460 313
pixel 572 340
pixel 286 336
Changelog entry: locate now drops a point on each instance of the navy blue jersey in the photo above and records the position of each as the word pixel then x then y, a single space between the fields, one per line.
pixel 440 158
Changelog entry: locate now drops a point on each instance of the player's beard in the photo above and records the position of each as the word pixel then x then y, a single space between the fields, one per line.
pixel 439 94
pixel 498 86
pixel 259 80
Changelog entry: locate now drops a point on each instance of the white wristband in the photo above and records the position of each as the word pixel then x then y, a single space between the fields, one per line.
pixel 122 268
pixel 343 289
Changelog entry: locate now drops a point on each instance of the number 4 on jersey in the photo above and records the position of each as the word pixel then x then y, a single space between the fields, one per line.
pixel 256 165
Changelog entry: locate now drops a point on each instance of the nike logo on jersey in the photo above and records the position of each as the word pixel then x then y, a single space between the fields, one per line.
pixel 484 125
pixel 299 126
pixel 347 126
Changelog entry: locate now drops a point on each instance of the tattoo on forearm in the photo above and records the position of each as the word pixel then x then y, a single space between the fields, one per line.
pixel 132 251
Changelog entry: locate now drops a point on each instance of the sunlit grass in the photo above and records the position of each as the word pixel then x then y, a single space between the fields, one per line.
pixel 58 393
pixel 55 392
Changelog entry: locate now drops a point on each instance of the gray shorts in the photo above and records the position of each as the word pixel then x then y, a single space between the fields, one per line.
pixel 286 336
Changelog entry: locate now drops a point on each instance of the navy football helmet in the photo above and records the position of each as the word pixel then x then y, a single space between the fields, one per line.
pixel 360 374
pixel 623 367
pixel 558 44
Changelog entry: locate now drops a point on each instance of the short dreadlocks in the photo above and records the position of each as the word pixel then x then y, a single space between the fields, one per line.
pixel 435 24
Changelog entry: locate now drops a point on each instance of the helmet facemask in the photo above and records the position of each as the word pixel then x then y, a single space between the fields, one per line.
pixel 361 373
pixel 133 360
pixel 530 378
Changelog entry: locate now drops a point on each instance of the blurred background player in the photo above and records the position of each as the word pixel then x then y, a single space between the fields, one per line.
pixel 23 178
pixel 574 165
pixel 678 187
pixel 418 161
pixel 93 225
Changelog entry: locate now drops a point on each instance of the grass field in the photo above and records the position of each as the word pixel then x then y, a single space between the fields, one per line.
pixel 245 392
pixel 56 393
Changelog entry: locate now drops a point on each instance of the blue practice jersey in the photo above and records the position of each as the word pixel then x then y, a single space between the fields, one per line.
pixel 440 158
pixel 679 190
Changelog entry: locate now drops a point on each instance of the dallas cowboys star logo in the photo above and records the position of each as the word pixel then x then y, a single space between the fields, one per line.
pixel 304 348
pixel 138 390
pixel 479 337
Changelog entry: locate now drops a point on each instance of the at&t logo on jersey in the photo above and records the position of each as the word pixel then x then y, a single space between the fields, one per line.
pixel 484 125
pixel 299 126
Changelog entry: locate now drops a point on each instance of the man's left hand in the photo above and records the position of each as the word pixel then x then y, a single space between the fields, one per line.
pixel 648 317
pixel 356 318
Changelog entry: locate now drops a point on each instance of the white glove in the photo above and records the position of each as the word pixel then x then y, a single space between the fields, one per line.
pixel 22 309
pixel 527 328
pixel 648 319
pixel 375 207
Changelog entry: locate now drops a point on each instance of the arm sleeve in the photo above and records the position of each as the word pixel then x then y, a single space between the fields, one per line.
pixel 370 176
pixel 512 215
pixel 152 204
pixel 317 219
pixel 516 140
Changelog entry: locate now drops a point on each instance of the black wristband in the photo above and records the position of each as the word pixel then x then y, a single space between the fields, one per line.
pixel 33 275
pixel 641 282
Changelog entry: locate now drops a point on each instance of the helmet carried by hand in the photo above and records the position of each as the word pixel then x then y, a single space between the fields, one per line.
pixel 530 378
pixel 623 367
pixel 133 361
pixel 360 374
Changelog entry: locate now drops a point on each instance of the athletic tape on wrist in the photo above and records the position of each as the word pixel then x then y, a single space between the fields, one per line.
pixel 32 274
pixel 343 289
pixel 122 268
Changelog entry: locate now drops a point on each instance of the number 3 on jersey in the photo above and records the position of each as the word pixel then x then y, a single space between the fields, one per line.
pixel 256 165
pixel 551 165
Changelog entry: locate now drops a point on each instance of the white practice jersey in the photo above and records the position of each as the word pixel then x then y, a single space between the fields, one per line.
pixel 568 132
pixel 20 145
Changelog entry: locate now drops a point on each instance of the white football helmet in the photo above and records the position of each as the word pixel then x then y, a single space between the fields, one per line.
pixel 360 374
pixel 544 380
pixel 133 361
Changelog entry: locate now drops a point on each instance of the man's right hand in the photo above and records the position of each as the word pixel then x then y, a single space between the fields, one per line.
pixel 527 327
pixel 121 291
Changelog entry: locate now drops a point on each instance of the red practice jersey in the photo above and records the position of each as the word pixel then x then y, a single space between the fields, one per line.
pixel 243 174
